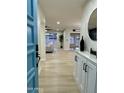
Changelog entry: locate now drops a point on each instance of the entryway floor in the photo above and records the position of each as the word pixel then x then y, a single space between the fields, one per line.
pixel 56 75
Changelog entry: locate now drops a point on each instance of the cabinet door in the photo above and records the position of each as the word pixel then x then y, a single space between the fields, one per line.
pixel 78 70
pixel 74 71
pixel 83 76
pixel 90 78
pixel 76 67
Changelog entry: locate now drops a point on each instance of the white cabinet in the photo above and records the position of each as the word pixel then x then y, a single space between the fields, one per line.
pixel 90 78
pixel 83 76
pixel 78 70
pixel 85 73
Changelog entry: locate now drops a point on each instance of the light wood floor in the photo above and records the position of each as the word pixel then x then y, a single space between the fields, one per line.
pixel 57 73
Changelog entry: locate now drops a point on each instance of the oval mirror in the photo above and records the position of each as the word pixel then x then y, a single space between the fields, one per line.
pixel 92 26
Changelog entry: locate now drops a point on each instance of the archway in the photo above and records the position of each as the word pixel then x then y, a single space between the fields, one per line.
pixel 92 26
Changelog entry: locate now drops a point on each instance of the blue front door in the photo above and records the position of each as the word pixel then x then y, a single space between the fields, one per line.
pixel 32 70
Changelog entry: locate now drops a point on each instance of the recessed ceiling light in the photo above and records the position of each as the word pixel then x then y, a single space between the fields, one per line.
pixel 58 22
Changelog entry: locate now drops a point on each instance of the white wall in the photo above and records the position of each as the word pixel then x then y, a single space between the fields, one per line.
pixel 89 7
pixel 41 36
pixel 58 42
pixel 66 43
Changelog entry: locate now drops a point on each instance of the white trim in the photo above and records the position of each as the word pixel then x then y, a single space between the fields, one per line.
pixel 39 70
pixel 43 59
pixel 39 66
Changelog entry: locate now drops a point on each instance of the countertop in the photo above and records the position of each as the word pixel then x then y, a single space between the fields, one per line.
pixel 87 55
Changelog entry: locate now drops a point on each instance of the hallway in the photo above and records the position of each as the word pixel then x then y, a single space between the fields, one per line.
pixel 57 73
pixel 54 29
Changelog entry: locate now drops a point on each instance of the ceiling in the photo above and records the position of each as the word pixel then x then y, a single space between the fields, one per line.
pixel 68 12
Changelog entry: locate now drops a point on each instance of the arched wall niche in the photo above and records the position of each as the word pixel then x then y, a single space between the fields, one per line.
pixel 92 26
pixel 88 9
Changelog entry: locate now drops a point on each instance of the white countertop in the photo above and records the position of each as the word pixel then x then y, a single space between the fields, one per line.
pixel 87 55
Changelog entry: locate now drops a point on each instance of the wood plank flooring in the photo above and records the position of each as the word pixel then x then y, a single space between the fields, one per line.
pixel 56 75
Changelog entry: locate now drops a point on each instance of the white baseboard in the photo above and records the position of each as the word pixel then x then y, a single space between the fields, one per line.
pixel 39 66
pixel 43 59
pixel 67 49
pixel 39 70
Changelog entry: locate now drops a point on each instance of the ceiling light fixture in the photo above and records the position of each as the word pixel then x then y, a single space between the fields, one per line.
pixel 58 22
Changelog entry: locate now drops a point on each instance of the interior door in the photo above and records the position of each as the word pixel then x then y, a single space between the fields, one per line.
pixel 32 70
